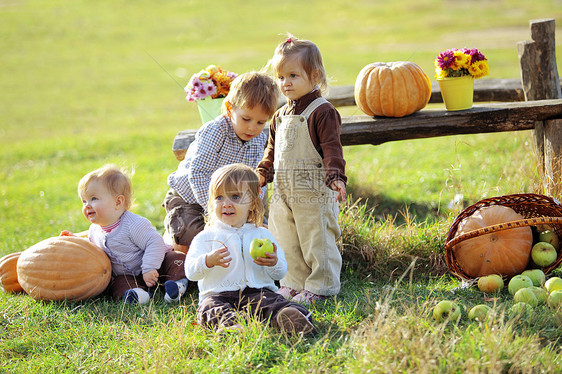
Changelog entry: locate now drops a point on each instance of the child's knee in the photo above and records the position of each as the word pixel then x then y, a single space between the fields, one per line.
pixel 175 224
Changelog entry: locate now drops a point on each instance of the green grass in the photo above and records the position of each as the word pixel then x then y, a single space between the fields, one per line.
pixel 84 83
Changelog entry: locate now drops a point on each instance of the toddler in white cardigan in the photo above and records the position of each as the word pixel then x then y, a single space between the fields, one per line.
pixel 231 283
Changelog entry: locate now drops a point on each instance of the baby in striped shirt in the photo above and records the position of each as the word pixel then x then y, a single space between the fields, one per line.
pixel 140 258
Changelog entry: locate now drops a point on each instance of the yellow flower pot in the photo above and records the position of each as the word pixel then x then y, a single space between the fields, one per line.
pixel 209 108
pixel 457 92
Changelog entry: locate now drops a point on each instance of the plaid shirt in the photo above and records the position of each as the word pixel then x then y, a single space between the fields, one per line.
pixel 215 145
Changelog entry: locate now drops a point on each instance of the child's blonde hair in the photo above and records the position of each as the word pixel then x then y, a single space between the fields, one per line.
pixel 114 179
pixel 235 178
pixel 309 57
pixel 253 89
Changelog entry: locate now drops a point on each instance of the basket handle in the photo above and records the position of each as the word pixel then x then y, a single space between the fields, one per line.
pixel 502 226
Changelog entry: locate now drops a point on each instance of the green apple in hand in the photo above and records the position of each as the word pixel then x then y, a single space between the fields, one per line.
pixel 536 275
pixel 259 247
pixel 518 282
pixel 446 310
pixel 543 254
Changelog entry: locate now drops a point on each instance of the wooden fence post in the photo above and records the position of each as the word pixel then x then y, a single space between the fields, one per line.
pixel 540 81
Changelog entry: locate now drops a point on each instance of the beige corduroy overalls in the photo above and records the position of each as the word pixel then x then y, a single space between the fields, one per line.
pixel 304 211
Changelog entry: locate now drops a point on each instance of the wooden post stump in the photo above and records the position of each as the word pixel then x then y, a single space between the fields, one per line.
pixel 540 81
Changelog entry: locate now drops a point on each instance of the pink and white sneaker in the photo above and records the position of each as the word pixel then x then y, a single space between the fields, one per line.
pixel 287 292
pixel 307 297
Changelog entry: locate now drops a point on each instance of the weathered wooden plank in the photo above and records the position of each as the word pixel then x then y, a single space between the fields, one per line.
pixel 484 118
pixel 537 58
pixel 485 90
pixel 539 74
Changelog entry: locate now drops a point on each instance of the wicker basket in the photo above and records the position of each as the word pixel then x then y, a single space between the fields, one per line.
pixel 535 209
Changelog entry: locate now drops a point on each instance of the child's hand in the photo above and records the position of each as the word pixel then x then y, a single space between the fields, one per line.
pixel 66 233
pixel 269 260
pixel 262 180
pixel 151 277
pixel 339 187
pixel 218 257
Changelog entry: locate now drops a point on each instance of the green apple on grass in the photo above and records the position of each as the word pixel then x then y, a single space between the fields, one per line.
pixel 550 237
pixel 259 247
pixel 540 293
pixel 553 284
pixel 526 295
pixel 536 275
pixel 518 282
pixel 520 310
pixel 479 312
pixel 490 283
pixel 555 299
pixel 446 310
pixel 543 254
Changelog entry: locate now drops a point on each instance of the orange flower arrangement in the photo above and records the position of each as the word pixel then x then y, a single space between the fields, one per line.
pixel 210 82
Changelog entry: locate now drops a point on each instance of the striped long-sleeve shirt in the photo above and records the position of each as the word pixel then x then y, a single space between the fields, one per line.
pixel 134 247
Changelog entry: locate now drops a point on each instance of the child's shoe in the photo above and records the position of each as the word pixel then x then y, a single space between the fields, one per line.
pixel 136 296
pixel 175 290
pixel 307 297
pixel 292 321
pixel 287 292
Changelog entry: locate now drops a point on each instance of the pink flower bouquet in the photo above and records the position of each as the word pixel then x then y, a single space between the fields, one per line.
pixel 212 82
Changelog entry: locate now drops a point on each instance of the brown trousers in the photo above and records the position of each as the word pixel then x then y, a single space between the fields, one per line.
pixel 183 221
pixel 227 308
pixel 172 269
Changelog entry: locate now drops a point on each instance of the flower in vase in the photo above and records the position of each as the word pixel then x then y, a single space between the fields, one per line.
pixel 461 62
pixel 212 82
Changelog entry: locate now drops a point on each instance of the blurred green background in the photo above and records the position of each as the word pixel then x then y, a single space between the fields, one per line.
pixel 83 83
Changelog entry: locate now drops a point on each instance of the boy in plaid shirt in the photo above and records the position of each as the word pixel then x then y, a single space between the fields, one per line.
pixel 236 136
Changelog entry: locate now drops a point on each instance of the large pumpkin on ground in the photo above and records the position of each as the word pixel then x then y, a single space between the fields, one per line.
pixel 502 252
pixel 64 268
pixel 9 274
pixel 392 89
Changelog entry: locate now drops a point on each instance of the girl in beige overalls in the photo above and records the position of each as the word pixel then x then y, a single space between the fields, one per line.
pixel 304 160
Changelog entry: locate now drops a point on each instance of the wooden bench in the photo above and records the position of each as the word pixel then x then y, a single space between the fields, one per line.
pixel 511 114
pixel 504 109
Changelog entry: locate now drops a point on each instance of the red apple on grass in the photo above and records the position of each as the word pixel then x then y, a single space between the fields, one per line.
pixel 543 254
pixel 259 247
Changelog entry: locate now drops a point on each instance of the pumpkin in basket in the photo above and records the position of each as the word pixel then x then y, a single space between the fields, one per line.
pixel 9 274
pixel 64 268
pixel 392 89
pixel 503 252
